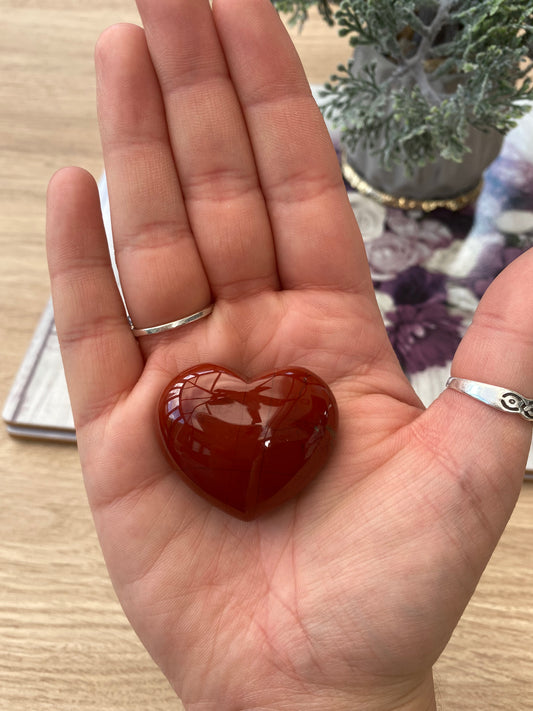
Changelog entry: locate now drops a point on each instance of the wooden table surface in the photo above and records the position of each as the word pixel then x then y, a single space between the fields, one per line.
pixel 64 641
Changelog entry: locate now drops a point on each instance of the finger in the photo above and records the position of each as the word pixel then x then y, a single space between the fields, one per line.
pixel 487 449
pixel 101 358
pixel 316 237
pixel 161 272
pixel 211 147
pixel 498 349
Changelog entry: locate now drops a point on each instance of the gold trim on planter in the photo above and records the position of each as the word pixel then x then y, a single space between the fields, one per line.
pixel 404 203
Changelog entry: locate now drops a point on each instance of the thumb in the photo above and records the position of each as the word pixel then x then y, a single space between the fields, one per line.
pixel 487 449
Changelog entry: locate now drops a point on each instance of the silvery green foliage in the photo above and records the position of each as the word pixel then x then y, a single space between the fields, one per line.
pixel 453 64
pixel 298 9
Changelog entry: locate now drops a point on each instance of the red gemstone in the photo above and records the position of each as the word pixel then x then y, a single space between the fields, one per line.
pixel 247 446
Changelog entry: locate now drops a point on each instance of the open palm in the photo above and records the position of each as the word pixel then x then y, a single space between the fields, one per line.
pixel 224 187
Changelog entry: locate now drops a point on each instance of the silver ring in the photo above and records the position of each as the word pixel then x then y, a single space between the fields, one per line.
pixel 500 398
pixel 152 330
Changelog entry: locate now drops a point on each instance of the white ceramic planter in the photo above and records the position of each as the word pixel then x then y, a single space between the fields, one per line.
pixel 440 180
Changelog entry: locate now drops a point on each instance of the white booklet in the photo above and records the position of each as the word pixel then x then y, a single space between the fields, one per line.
pixel 38 405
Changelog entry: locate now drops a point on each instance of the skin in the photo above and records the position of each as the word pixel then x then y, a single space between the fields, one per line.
pixel 224 187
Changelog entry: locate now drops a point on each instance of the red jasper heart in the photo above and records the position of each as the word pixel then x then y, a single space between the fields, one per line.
pixel 247 446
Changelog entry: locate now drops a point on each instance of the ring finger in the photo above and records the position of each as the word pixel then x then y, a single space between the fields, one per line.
pixel 179 164
pixel 161 272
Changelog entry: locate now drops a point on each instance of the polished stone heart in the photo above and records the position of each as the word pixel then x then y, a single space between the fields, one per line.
pixel 247 446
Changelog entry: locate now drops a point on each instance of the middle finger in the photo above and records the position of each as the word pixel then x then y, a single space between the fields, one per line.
pixel 211 146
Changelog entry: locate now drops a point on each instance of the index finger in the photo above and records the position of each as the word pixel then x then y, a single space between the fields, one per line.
pixel 317 240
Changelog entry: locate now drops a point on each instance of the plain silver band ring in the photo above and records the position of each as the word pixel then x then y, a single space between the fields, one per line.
pixel 500 398
pixel 153 330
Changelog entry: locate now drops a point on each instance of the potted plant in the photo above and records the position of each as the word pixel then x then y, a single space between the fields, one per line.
pixel 430 91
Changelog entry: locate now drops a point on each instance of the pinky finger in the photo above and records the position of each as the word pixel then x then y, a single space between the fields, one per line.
pixel 100 355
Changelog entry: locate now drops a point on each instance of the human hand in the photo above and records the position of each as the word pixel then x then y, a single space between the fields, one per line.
pixel 224 186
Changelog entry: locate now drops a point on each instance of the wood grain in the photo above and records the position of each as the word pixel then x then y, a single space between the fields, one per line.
pixel 64 641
